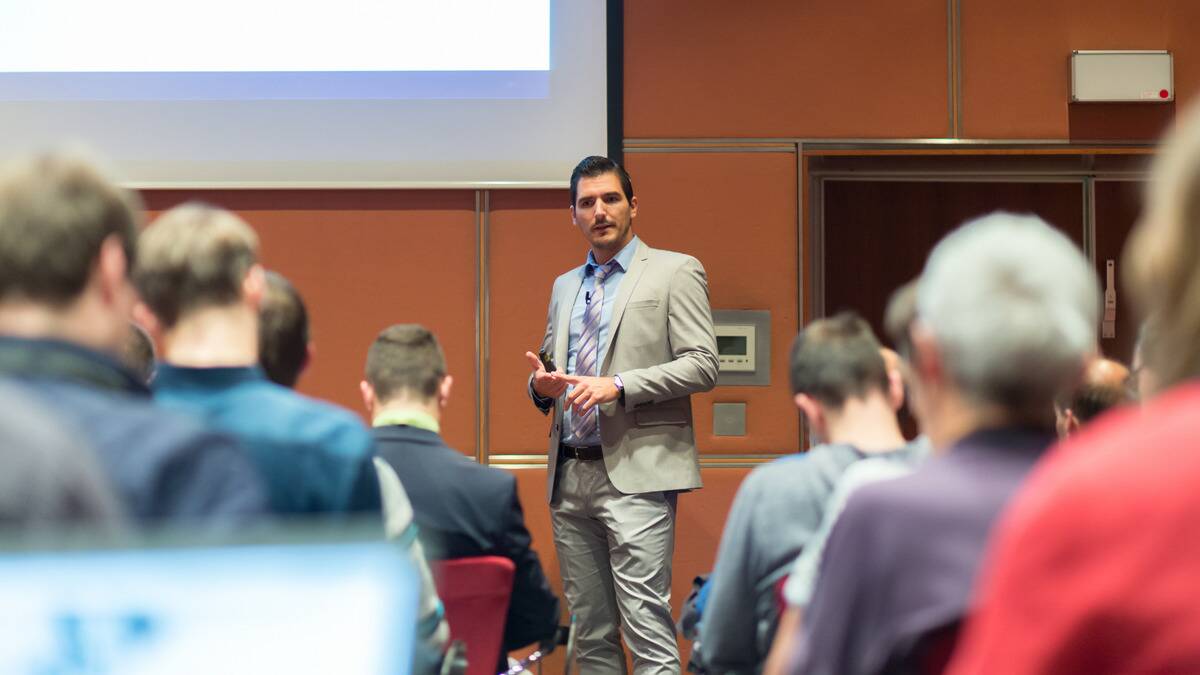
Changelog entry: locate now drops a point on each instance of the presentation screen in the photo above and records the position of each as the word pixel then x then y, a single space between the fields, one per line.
pixel 295 93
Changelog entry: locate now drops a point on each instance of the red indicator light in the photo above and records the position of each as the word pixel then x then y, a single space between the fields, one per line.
pixel 1164 94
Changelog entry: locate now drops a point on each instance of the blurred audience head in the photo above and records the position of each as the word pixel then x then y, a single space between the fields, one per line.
pixel 197 257
pixel 1162 259
pixel 68 236
pixel 406 368
pixel 1105 385
pixel 138 354
pixel 1006 319
pixel 898 320
pixel 834 361
pixel 284 348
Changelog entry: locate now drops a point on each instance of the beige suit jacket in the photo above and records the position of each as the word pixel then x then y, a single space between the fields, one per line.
pixel 661 343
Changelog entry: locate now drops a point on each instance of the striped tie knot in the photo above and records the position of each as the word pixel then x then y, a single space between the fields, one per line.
pixel 602 271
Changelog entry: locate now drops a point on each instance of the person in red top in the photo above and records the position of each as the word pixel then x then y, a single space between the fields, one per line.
pixel 1096 566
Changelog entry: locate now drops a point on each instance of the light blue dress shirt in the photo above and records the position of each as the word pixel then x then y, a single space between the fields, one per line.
pixel 611 282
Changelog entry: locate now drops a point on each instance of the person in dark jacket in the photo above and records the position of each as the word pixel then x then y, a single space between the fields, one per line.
pixel 463 509
pixel 68 237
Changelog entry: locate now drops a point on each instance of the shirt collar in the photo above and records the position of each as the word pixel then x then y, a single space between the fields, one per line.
pixel 623 257
pixel 60 360
pixel 170 375
pixel 408 418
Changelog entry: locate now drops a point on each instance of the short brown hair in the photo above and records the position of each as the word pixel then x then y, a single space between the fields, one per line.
pixel 283 331
pixel 193 256
pixel 55 212
pixel 405 358
pixel 836 359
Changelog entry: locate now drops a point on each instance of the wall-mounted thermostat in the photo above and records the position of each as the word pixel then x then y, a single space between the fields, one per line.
pixel 743 346
pixel 735 348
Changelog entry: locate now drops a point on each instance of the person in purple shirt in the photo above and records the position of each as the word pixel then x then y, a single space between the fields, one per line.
pixel 1006 315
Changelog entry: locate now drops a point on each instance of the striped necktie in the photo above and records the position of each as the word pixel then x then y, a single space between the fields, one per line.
pixel 585 424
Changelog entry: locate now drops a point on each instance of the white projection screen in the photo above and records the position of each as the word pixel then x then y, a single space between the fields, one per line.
pixel 309 93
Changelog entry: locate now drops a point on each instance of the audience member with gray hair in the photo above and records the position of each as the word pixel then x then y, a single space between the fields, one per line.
pixel 1006 315
pixel 68 237
pixel 1094 568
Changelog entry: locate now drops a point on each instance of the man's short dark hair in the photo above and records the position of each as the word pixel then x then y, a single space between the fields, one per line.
pixel 597 165
pixel 55 212
pixel 405 358
pixel 836 359
pixel 283 331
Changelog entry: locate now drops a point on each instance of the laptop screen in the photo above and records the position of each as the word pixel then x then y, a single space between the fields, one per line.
pixel 266 608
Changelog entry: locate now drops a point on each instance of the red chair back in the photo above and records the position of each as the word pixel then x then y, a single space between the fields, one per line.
pixel 475 593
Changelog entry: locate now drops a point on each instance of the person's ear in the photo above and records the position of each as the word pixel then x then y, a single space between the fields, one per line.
pixel 112 273
pixel 895 388
pixel 254 286
pixel 633 207
pixel 443 395
pixel 927 366
pixel 811 409
pixel 574 221
pixel 368 397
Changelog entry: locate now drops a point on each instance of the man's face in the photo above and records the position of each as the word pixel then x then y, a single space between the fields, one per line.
pixel 603 214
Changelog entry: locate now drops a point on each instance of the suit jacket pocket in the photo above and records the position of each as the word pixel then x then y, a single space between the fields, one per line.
pixel 642 304
pixel 658 416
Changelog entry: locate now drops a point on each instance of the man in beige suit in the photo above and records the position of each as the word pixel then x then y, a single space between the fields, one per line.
pixel 631 334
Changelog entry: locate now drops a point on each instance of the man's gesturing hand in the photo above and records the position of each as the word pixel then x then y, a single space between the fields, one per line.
pixel 545 384
pixel 588 391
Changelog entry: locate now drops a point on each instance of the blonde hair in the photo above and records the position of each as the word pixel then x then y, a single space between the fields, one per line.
pixel 1163 255
pixel 191 257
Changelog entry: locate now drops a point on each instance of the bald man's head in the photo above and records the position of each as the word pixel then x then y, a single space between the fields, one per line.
pixel 1105 385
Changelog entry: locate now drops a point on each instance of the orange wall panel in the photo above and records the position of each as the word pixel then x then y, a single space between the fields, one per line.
pixel 821 68
pixel 736 212
pixel 532 241
pixel 364 260
pixel 1016 69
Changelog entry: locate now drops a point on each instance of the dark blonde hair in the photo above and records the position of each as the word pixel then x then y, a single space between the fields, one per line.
pixel 193 256
pixel 1163 256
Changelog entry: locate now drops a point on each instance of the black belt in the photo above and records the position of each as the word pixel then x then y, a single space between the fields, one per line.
pixel 587 453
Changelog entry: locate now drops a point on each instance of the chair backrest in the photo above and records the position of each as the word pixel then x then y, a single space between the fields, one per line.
pixel 476 593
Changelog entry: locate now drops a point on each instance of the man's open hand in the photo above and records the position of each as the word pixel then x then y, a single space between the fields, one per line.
pixel 544 383
pixel 588 391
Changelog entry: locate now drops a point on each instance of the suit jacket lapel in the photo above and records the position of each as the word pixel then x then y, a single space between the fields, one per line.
pixel 624 290
pixel 562 323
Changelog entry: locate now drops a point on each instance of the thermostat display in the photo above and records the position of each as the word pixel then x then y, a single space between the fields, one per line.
pixel 735 347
